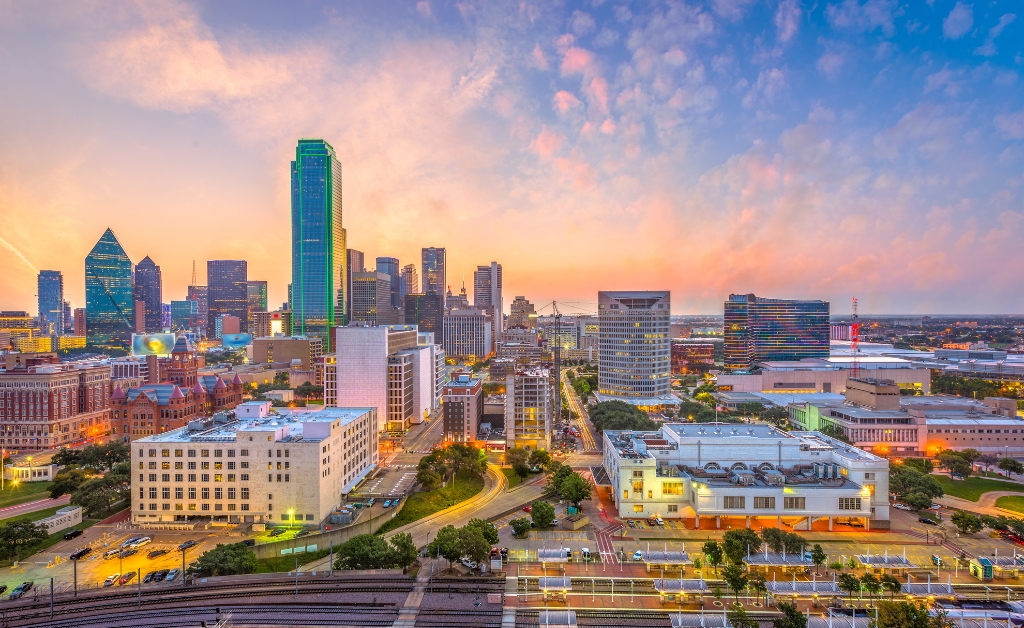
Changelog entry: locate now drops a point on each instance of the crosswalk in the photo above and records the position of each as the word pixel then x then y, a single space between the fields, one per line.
pixel 605 545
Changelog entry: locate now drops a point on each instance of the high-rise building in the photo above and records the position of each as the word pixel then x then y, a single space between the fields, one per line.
pixel 80 328
pixel 109 307
pixel 69 325
pixel 277 323
pixel 227 291
pixel 759 330
pixel 51 301
pixel 463 407
pixel 425 311
pixel 371 298
pixel 256 293
pixel 390 267
pixel 433 270
pixel 317 299
pixel 487 295
pixel 354 264
pixel 528 407
pixel 635 349
pixel 410 280
pixel 149 293
pixel 458 301
pixel 467 334
pixel 184 315
pixel 201 295
pixel 522 314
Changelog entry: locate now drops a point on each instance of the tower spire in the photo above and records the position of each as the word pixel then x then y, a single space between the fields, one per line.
pixel 193 272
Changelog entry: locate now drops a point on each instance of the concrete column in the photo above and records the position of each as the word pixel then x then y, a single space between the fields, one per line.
pixel 779 526
pixel 747 521
pixel 698 522
pixel 830 524
pixel 867 523
pixel 718 521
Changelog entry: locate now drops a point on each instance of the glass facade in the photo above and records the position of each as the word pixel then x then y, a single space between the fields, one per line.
pixel 317 298
pixel 758 330
pixel 51 301
pixel 635 350
pixel 433 271
pixel 149 291
pixel 425 311
pixel 184 315
pixel 389 266
pixel 227 292
pixel 256 292
pixel 109 306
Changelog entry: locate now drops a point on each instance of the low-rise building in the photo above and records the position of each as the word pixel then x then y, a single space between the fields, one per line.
pixel 287 349
pixel 826 375
pixel 735 473
pixel 255 464
pixel 463 407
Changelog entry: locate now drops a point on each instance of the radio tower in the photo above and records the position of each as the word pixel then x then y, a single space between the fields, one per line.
pixel 855 341
pixel 194 273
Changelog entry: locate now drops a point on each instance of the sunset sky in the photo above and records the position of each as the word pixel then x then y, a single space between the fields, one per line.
pixel 793 149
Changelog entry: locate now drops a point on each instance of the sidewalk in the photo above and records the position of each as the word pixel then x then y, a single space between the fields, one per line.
pixel 29 507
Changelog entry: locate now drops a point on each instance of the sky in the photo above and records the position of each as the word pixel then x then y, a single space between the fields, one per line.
pixel 792 149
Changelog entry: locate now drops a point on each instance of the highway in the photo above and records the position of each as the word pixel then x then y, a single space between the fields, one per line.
pixel 586 431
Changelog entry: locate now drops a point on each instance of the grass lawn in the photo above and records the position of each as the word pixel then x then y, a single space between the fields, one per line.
pixel 22 492
pixel 35 516
pixel 1011 502
pixel 422 504
pixel 513 479
pixel 279 564
pixel 973 487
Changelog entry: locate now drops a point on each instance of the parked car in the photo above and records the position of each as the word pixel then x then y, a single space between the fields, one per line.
pixel 504 554
pixel 129 541
pixel 129 552
pixel 495 552
pixel 277 532
pixel 149 577
pixel 935 506
pixel 107 555
pixel 172 574
pixel 186 545
pixel 80 553
pixel 928 521
pixel 126 578
pixel 630 522
pixel 111 579
pixel 472 564
pixel 3 587
pixel 387 503
pixel 74 534
pixel 585 553
pixel 528 508
pixel 303 532
pixel 21 590
pixel 371 501
pixel 157 553
pixel 160 575
pixel 249 542
pixel 140 542
pixel 554 522
pixel 638 555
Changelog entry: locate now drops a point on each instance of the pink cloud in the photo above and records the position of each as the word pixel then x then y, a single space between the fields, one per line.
pixel 599 92
pixel 608 126
pixel 538 57
pixel 564 101
pixel 577 61
pixel 547 143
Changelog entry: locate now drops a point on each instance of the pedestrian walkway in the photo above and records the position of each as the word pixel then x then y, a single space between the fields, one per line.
pixel 407 614
pixel 30 507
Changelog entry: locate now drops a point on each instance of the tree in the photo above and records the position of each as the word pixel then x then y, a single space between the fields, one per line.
pixel 403 549
pixel 619 415
pixel 542 513
pixel 965 522
pixel 849 583
pixel 779 540
pixel 834 431
pixel 736 544
pixel 428 479
pixel 912 486
pixel 738 618
pixel 521 469
pixel 779 417
pixel 486 528
pixel 713 553
pixel 575 488
pixel 446 544
pixel 225 560
pixel 891 584
pixel 791 617
pixel 955 463
pixel 989 460
pixel 906 615
pixel 65 457
pixel 364 551
pixel 924 465
pixel 818 556
pixel 516 454
pixel 750 408
pixel 554 482
pixel 473 544
pixel 705 398
pixel 97 495
pixel 1011 466
pixel 520 526
pixel 18 534
pixel 735 578
pixel 540 458
pixel 758 584
pixel 67 481
pixel 870 583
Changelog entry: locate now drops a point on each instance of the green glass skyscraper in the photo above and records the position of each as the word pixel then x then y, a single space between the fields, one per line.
pixel 109 306
pixel 318 241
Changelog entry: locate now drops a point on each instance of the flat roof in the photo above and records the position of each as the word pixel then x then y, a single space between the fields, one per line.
pixel 640 401
pixel 724 430
pixel 840 448
pixel 290 417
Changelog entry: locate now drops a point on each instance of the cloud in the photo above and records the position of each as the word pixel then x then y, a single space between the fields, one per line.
pixel 959 21
pixel 606 37
pixel 547 143
pixel 852 15
pixel 830 63
pixel 581 23
pixel 988 49
pixel 423 8
pixel 731 9
pixel 770 84
pixel 565 101
pixel 577 61
pixel 787 20
pixel 1012 124
pixel 538 58
pixel 946 79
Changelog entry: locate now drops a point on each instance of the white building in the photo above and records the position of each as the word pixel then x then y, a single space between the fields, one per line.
pixel 827 375
pixel 468 333
pixel 358 371
pixel 736 472
pixel 215 469
pixel 634 364
pixel 528 408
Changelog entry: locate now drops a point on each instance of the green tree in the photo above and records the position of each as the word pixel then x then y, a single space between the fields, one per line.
pixel 517 454
pixel 65 457
pixel 758 584
pixel 486 528
pixel 965 522
pixel 554 482
pixel 520 526
pixel 539 458
pixel 849 583
pixel 736 544
pixel 705 398
pixel 750 408
pixel 473 544
pixel 575 489
pixel 713 553
pixel 521 469
pixel 1011 466
pixel 619 415
pixel 891 584
pixel 446 544
pixel 542 513
pixel 912 486
pixel 735 578
pixel 905 615
pixel 779 417
pixel 20 534
pixel 225 560
pixel 364 551
pixel 403 549
pixel 97 495
pixel 870 583
pixel 67 481
pixel 924 465
pixel 428 478
pixel 791 617
pixel 818 556
pixel 738 618
pixel 955 463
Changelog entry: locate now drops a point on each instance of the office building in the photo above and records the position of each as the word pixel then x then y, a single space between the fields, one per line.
pixel 50 292
pixel 827 375
pixel 463 407
pixel 69 325
pixel 354 264
pixel 200 294
pixel 725 475
pixel 256 293
pixel 427 313
pixel 298 351
pixel 390 267
pixel 80 329
pixel 371 298
pixel 227 291
pixel 51 404
pixel 185 316
pixel 433 268
pixel 410 281
pixel 487 296
pixel 559 333
pixel 692 357
pixel 312 459
pixel 226 324
pixel 758 330
pixel 522 314
pixel 635 350
pixel 528 407
pixel 277 323
pixel 317 298
pixel 400 392
pixel 467 334
pixel 109 304
pixel 149 296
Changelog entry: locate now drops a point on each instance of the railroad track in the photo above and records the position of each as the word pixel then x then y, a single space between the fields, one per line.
pixel 596 618
pixel 276 614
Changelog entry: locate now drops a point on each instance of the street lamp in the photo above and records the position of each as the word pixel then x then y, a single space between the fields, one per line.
pixel 291 516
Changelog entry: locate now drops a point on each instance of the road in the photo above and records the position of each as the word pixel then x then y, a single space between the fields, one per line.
pixel 41 504
pixel 586 432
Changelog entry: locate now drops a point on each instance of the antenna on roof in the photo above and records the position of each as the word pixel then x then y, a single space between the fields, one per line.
pixel 193 272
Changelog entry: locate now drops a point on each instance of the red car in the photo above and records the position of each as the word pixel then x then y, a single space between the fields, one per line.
pixel 528 508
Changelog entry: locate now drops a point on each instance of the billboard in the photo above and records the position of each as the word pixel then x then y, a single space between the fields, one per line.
pixel 235 341
pixel 152 344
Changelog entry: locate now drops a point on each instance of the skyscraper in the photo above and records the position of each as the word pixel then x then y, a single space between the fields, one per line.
pixel 520 314
pixel 318 241
pixel 371 298
pixel 201 295
pixel 51 301
pixel 433 270
pixel 149 294
pixel 184 315
pixel 256 292
pixel 758 329
pixel 635 348
pixel 487 295
pixel 227 291
pixel 390 267
pixel 353 264
pixel 109 308
pixel 427 312
pixel 410 280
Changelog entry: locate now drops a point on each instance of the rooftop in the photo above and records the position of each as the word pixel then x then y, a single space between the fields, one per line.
pixel 293 419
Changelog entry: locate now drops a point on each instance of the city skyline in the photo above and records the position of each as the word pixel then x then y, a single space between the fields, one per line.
pixel 807 153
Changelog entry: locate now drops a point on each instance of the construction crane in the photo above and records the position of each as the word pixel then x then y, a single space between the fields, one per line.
pixel 855 341
pixel 557 349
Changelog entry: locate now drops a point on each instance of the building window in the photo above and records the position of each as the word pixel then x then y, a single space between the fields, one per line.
pixel 671 488
pixel 192 494
pixel 178 477
pixel 245 477
pixel 218 453
pixel 206 507
pixel 165 493
pixel 191 466
pixel 179 507
pixel 286 476
pixel 152 493
pixel 206 477
pixel 638 508
pixel 231 506
pixel 218 477
pixel 794 503
pixel 245 493
pixel 218 493
pixel 764 503
pixel 733 502
pixel 191 506
pixel 191 477
pixel 179 493
pixel 245 506
pixel 166 507
pixel 165 477
pixel 206 493
pixel 231 493
pixel 244 452
pixel 638 474
pixel 849 503
pixel 673 507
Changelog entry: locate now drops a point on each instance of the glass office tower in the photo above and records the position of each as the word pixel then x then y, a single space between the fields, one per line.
pixel 433 271
pixel 149 292
pixel 109 306
pixel 317 298
pixel 227 292
pixel 51 301
pixel 257 295
pixel 389 266
pixel 759 330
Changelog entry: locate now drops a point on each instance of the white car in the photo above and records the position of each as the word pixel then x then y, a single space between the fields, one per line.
pixel 638 555
pixel 111 579
pixel 140 542
pixel 472 564
pixel 172 574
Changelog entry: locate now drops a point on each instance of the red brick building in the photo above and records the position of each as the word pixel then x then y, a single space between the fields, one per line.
pixel 692 357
